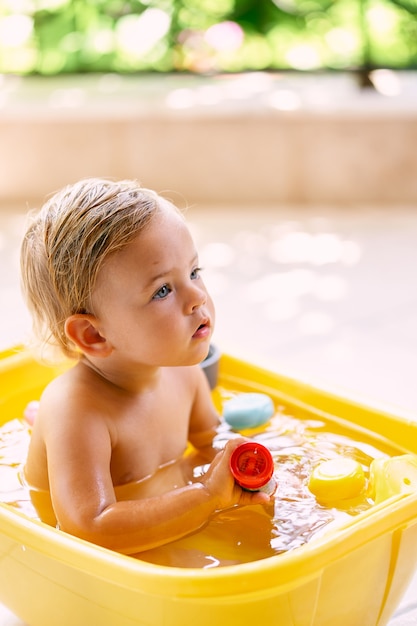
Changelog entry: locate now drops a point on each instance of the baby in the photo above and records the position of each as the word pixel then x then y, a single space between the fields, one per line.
pixel 111 275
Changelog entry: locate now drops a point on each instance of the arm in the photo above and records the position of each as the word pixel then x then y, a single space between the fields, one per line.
pixel 78 430
pixel 87 508
pixel 204 418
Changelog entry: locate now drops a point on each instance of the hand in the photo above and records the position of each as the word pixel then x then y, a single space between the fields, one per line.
pixel 219 482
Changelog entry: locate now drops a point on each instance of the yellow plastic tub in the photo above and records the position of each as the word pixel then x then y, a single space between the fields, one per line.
pixel 352 576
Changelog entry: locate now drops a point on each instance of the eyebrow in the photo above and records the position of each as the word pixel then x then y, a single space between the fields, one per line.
pixel 164 273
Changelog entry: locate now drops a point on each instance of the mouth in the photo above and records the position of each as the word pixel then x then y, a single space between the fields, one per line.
pixel 203 330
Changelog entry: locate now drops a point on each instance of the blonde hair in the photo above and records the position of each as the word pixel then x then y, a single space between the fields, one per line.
pixel 66 244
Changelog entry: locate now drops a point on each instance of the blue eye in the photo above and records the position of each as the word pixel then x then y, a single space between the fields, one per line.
pixel 195 273
pixel 163 292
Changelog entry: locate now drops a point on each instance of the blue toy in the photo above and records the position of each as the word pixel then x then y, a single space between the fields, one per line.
pixel 248 410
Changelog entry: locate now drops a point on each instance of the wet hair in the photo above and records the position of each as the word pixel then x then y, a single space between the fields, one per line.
pixel 66 244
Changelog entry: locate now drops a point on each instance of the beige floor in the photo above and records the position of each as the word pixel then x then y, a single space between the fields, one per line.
pixel 327 295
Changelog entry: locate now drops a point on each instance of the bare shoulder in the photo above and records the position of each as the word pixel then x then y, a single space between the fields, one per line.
pixel 62 393
pixel 69 418
pixel 76 386
pixel 71 403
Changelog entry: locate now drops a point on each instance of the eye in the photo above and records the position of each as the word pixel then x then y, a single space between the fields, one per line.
pixel 163 292
pixel 196 273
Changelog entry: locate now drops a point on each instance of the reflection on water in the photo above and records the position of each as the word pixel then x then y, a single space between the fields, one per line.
pixel 240 534
pixel 14 442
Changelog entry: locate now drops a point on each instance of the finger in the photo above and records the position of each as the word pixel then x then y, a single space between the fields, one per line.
pixel 254 497
pixel 232 444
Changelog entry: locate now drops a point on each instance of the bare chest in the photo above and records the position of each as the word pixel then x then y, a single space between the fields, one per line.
pixel 150 435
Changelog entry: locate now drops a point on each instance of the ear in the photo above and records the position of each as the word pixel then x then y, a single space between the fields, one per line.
pixel 82 330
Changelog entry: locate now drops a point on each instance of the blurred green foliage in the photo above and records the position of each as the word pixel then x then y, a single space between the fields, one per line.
pixel 204 36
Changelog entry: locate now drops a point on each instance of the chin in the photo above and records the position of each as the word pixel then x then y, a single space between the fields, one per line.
pixel 198 355
pixel 205 351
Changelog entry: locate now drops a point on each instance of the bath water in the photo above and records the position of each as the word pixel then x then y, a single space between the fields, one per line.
pixel 241 534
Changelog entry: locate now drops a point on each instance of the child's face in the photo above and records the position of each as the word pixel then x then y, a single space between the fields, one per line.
pixel 150 300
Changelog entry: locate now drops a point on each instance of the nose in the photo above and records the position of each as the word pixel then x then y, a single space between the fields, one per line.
pixel 196 296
